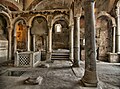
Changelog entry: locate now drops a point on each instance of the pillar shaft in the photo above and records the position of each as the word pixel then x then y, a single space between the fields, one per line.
pixel 114 28
pixel 28 41
pixel 49 50
pixel 50 40
pixel 90 76
pixel 118 29
pixel 77 41
pixel 10 43
pixel 33 42
pixel 71 33
pixel 15 41
pixel 71 43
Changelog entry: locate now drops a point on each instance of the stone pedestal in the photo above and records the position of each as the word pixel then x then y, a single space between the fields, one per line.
pixel 3 49
pixel 113 57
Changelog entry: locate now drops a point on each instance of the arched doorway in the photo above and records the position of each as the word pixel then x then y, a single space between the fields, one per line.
pixel 3 39
pixel 20 36
pixel 60 35
pixel 39 33
pixel 103 37
pixel 3 25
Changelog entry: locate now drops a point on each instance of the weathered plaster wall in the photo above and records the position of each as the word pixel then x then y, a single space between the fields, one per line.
pixel 61 40
pixel 103 38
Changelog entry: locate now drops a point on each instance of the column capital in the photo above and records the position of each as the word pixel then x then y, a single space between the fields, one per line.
pixel 50 27
pixel 28 26
pixel 118 4
pixel 114 25
pixel 118 12
pixel 77 17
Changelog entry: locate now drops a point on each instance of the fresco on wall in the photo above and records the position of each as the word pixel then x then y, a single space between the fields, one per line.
pixel 21 36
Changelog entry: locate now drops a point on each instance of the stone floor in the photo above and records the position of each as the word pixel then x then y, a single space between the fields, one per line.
pixel 60 75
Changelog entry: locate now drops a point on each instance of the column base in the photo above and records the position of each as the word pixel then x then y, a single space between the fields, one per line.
pixel 76 65
pixel 48 57
pixel 88 84
pixel 113 57
pixel 89 79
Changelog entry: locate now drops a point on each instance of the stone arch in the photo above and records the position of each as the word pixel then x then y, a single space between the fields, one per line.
pixel 103 13
pixel 60 39
pixel 43 18
pixel 17 19
pixel 104 27
pixel 60 17
pixel 5 12
pixel 32 18
pixel 6 16
pixel 19 23
pixel 39 30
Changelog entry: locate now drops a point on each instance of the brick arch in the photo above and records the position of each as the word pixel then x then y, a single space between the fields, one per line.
pixel 103 13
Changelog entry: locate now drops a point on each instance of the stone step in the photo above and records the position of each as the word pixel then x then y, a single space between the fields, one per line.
pixel 60 53
pixel 60 58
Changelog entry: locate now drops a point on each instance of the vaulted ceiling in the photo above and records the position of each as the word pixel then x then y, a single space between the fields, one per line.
pixel 106 5
pixel 100 5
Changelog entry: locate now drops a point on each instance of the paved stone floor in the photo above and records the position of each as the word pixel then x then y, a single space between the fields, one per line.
pixel 60 75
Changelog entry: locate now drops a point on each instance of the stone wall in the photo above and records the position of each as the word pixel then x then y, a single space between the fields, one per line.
pixel 3 49
pixel 61 40
pixel 103 39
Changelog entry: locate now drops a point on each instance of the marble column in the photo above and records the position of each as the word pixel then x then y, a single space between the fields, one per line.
pixel 33 42
pixel 76 42
pixel 28 37
pixel 114 30
pixel 10 43
pixel 49 51
pixel 118 28
pixel 90 76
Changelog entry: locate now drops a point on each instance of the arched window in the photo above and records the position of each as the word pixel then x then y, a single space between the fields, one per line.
pixel 17 1
pixel 58 28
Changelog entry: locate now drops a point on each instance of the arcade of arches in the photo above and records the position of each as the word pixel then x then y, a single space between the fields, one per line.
pixel 36 31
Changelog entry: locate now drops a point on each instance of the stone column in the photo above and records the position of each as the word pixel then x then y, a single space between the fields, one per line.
pixel 10 42
pixel 33 42
pixel 15 40
pixel 49 51
pixel 118 28
pixel 28 37
pixel 71 43
pixel 114 28
pixel 76 42
pixel 90 76
pixel 50 40
pixel 71 34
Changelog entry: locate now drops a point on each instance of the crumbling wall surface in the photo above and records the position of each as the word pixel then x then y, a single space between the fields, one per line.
pixel 103 38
